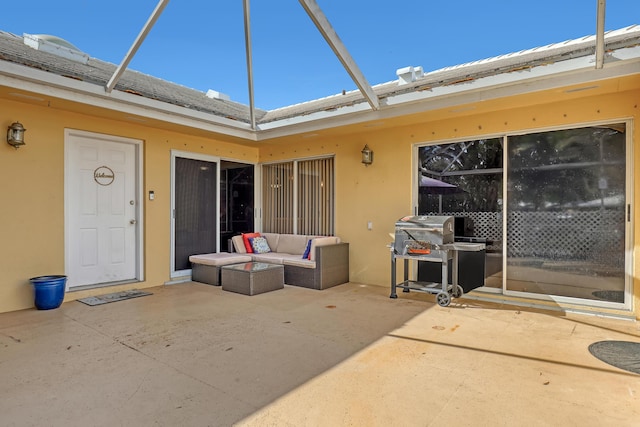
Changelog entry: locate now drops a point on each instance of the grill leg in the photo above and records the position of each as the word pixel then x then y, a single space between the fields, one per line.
pixel 393 276
pixel 406 275
pixel 445 269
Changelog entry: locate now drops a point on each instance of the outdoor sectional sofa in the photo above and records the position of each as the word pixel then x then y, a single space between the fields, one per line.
pixel 326 266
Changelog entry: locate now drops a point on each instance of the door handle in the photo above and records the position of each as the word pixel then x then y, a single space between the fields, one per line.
pixel 133 221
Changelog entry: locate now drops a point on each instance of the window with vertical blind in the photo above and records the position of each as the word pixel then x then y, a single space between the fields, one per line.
pixel 277 198
pixel 298 197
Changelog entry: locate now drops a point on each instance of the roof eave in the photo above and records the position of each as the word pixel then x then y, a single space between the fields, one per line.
pixel 576 71
pixel 52 85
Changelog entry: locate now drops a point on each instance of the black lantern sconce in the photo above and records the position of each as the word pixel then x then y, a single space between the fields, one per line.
pixel 15 135
pixel 367 155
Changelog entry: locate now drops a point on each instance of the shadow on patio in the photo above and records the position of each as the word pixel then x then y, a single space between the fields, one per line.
pixel 192 354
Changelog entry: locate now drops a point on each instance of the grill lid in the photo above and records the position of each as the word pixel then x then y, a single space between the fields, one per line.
pixel 418 234
pixel 437 222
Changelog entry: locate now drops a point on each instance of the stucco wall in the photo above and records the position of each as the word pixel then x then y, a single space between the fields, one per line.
pixel 32 194
pixel 382 192
pixel 32 184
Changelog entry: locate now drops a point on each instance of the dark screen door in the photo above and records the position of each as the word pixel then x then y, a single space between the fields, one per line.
pixel 195 209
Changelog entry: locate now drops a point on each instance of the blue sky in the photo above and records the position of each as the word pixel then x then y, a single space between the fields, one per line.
pixel 200 43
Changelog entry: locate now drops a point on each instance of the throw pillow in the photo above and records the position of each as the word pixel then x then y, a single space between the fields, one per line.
pixel 305 255
pixel 245 239
pixel 259 245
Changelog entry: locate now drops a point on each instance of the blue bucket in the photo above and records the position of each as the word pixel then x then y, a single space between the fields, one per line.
pixel 49 291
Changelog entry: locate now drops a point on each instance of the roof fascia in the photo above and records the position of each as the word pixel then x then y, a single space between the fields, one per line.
pixel 618 63
pixel 340 50
pixel 623 62
pixel 48 84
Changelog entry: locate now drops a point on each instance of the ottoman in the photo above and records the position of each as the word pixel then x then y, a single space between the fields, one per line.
pixel 252 278
pixel 205 268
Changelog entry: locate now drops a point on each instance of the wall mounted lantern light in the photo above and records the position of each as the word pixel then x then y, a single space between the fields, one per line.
pixel 15 135
pixel 367 155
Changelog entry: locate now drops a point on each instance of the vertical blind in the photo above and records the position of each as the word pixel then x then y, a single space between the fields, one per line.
pixel 313 189
pixel 277 196
pixel 315 197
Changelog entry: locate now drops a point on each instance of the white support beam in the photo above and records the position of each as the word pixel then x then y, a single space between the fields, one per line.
pixel 602 5
pixel 136 44
pixel 330 35
pixel 247 44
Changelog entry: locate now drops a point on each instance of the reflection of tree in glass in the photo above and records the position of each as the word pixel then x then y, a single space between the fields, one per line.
pixel 567 168
pixel 475 167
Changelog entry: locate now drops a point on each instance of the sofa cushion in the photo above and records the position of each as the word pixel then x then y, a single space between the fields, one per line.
pixel 238 244
pixel 297 262
pixel 216 259
pixel 272 240
pixel 291 244
pixel 271 257
pixel 321 241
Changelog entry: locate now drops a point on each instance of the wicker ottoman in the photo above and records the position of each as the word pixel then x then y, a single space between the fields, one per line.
pixel 205 268
pixel 252 278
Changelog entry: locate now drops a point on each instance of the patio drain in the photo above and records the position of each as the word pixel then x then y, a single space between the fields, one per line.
pixel 621 354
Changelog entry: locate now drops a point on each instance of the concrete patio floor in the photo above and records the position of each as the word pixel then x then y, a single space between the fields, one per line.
pixel 195 355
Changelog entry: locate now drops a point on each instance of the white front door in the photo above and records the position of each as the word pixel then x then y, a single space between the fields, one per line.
pixel 101 209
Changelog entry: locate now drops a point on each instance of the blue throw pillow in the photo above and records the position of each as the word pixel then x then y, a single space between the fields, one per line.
pixel 259 245
pixel 305 255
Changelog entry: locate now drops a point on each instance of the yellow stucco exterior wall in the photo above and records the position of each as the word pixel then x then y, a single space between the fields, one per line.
pixel 32 177
pixel 32 217
pixel 382 192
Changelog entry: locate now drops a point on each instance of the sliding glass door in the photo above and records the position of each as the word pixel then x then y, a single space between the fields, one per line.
pixel 552 207
pixel 194 208
pixel 567 205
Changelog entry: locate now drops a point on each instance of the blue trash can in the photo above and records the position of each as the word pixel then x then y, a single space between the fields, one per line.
pixel 49 291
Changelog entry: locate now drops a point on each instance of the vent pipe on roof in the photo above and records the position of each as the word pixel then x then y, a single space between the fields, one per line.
pixel 408 75
pixel 214 94
pixel 56 46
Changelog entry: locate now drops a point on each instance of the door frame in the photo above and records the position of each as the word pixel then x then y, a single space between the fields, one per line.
pixel 139 209
pixel 186 274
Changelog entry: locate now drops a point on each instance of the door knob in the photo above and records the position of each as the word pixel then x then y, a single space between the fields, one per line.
pixel 133 221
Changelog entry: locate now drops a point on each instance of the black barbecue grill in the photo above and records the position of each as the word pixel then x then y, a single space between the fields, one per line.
pixel 430 239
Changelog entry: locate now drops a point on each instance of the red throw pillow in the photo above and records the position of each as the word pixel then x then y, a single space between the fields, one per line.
pixel 245 240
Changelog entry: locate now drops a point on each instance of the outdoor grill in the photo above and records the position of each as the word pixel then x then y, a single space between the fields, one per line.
pixel 430 239
pixel 423 235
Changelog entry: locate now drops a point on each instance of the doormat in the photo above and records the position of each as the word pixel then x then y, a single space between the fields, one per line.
pixel 116 296
pixel 621 354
